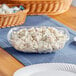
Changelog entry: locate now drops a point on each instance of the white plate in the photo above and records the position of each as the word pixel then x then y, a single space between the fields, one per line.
pixel 47 69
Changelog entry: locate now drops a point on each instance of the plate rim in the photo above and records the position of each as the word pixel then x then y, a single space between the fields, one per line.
pixel 41 64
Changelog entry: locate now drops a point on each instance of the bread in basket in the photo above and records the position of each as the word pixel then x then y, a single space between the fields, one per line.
pixel 14 19
pixel 50 7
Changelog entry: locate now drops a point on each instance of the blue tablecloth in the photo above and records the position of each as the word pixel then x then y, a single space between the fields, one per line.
pixel 66 55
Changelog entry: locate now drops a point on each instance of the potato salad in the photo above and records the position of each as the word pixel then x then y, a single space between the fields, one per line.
pixel 39 39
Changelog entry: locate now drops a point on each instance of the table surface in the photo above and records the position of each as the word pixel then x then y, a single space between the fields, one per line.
pixel 8 64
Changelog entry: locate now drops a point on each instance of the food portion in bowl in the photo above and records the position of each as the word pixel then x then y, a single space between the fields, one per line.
pixel 38 39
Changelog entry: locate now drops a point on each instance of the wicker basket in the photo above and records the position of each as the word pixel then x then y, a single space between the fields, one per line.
pixel 50 7
pixel 7 20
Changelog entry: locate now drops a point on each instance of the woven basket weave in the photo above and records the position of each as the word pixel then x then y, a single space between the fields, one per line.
pixel 50 7
pixel 7 20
